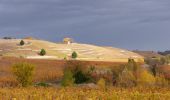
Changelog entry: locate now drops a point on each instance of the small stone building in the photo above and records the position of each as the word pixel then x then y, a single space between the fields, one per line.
pixel 68 40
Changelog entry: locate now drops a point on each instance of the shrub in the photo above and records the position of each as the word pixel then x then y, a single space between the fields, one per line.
pixel 80 73
pixel 42 84
pixel 68 79
pixel 154 70
pixel 134 67
pixel 42 52
pixel 161 81
pixel 105 73
pixel 146 78
pixel 126 79
pixel 91 69
pixel 101 83
pixel 74 55
pixel 23 73
pixel 80 77
pixel 116 71
pixel 22 42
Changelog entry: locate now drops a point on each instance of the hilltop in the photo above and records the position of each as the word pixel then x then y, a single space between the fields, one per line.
pixel 32 47
pixel 148 54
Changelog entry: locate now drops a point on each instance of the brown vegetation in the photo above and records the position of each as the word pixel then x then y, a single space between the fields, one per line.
pixel 45 70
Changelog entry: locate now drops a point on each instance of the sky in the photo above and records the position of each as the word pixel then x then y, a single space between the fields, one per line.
pixel 128 24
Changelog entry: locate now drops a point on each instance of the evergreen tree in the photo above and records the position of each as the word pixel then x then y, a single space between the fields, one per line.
pixel 22 42
pixel 74 55
pixel 42 52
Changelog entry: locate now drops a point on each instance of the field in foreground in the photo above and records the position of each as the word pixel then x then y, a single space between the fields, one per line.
pixel 77 93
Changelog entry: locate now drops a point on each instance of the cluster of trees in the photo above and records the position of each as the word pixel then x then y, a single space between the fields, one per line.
pixel 165 60
pixel 167 52
pixel 9 38
pixel 129 75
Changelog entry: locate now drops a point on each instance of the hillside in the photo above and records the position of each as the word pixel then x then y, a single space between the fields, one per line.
pixel 31 49
pixel 148 54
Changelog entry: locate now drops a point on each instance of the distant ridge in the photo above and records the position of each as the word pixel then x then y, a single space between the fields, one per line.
pixel 148 54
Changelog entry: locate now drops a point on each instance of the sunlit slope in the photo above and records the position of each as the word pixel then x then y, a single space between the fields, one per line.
pixel 32 48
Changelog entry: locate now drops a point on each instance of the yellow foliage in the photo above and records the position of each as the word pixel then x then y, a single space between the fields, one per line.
pixel 79 93
pixel 126 79
pixel 146 78
pixel 101 83
pixel 161 81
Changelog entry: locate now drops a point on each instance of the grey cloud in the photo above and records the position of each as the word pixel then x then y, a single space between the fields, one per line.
pixel 127 24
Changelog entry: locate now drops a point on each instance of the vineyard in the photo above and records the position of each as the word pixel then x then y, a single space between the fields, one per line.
pixel 76 93
pixel 46 70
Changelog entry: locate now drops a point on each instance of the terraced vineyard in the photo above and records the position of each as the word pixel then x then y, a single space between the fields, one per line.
pixel 60 51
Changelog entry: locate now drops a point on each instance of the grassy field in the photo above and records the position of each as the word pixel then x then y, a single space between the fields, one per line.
pixel 79 93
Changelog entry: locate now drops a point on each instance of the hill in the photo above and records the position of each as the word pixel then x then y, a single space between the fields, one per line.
pixel 167 52
pixel 148 54
pixel 87 52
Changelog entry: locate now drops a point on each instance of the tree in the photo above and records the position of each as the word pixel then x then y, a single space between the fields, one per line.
pixel 42 52
pixel 23 73
pixel 80 77
pixel 79 71
pixel 154 70
pixel 74 55
pixel 134 67
pixel 126 79
pixel 68 79
pixel 22 42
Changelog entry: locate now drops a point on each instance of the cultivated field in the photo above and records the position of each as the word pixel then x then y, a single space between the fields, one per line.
pixel 60 51
pixel 79 93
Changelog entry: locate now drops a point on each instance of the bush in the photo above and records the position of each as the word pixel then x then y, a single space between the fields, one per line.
pixel 101 83
pixel 23 73
pixel 22 42
pixel 79 71
pixel 42 52
pixel 68 79
pixel 132 65
pixel 154 69
pixel 42 84
pixel 126 79
pixel 105 73
pixel 74 55
pixel 116 71
pixel 80 77
pixel 161 81
pixel 146 78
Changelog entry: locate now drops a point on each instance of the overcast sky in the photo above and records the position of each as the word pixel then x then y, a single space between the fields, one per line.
pixel 129 24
